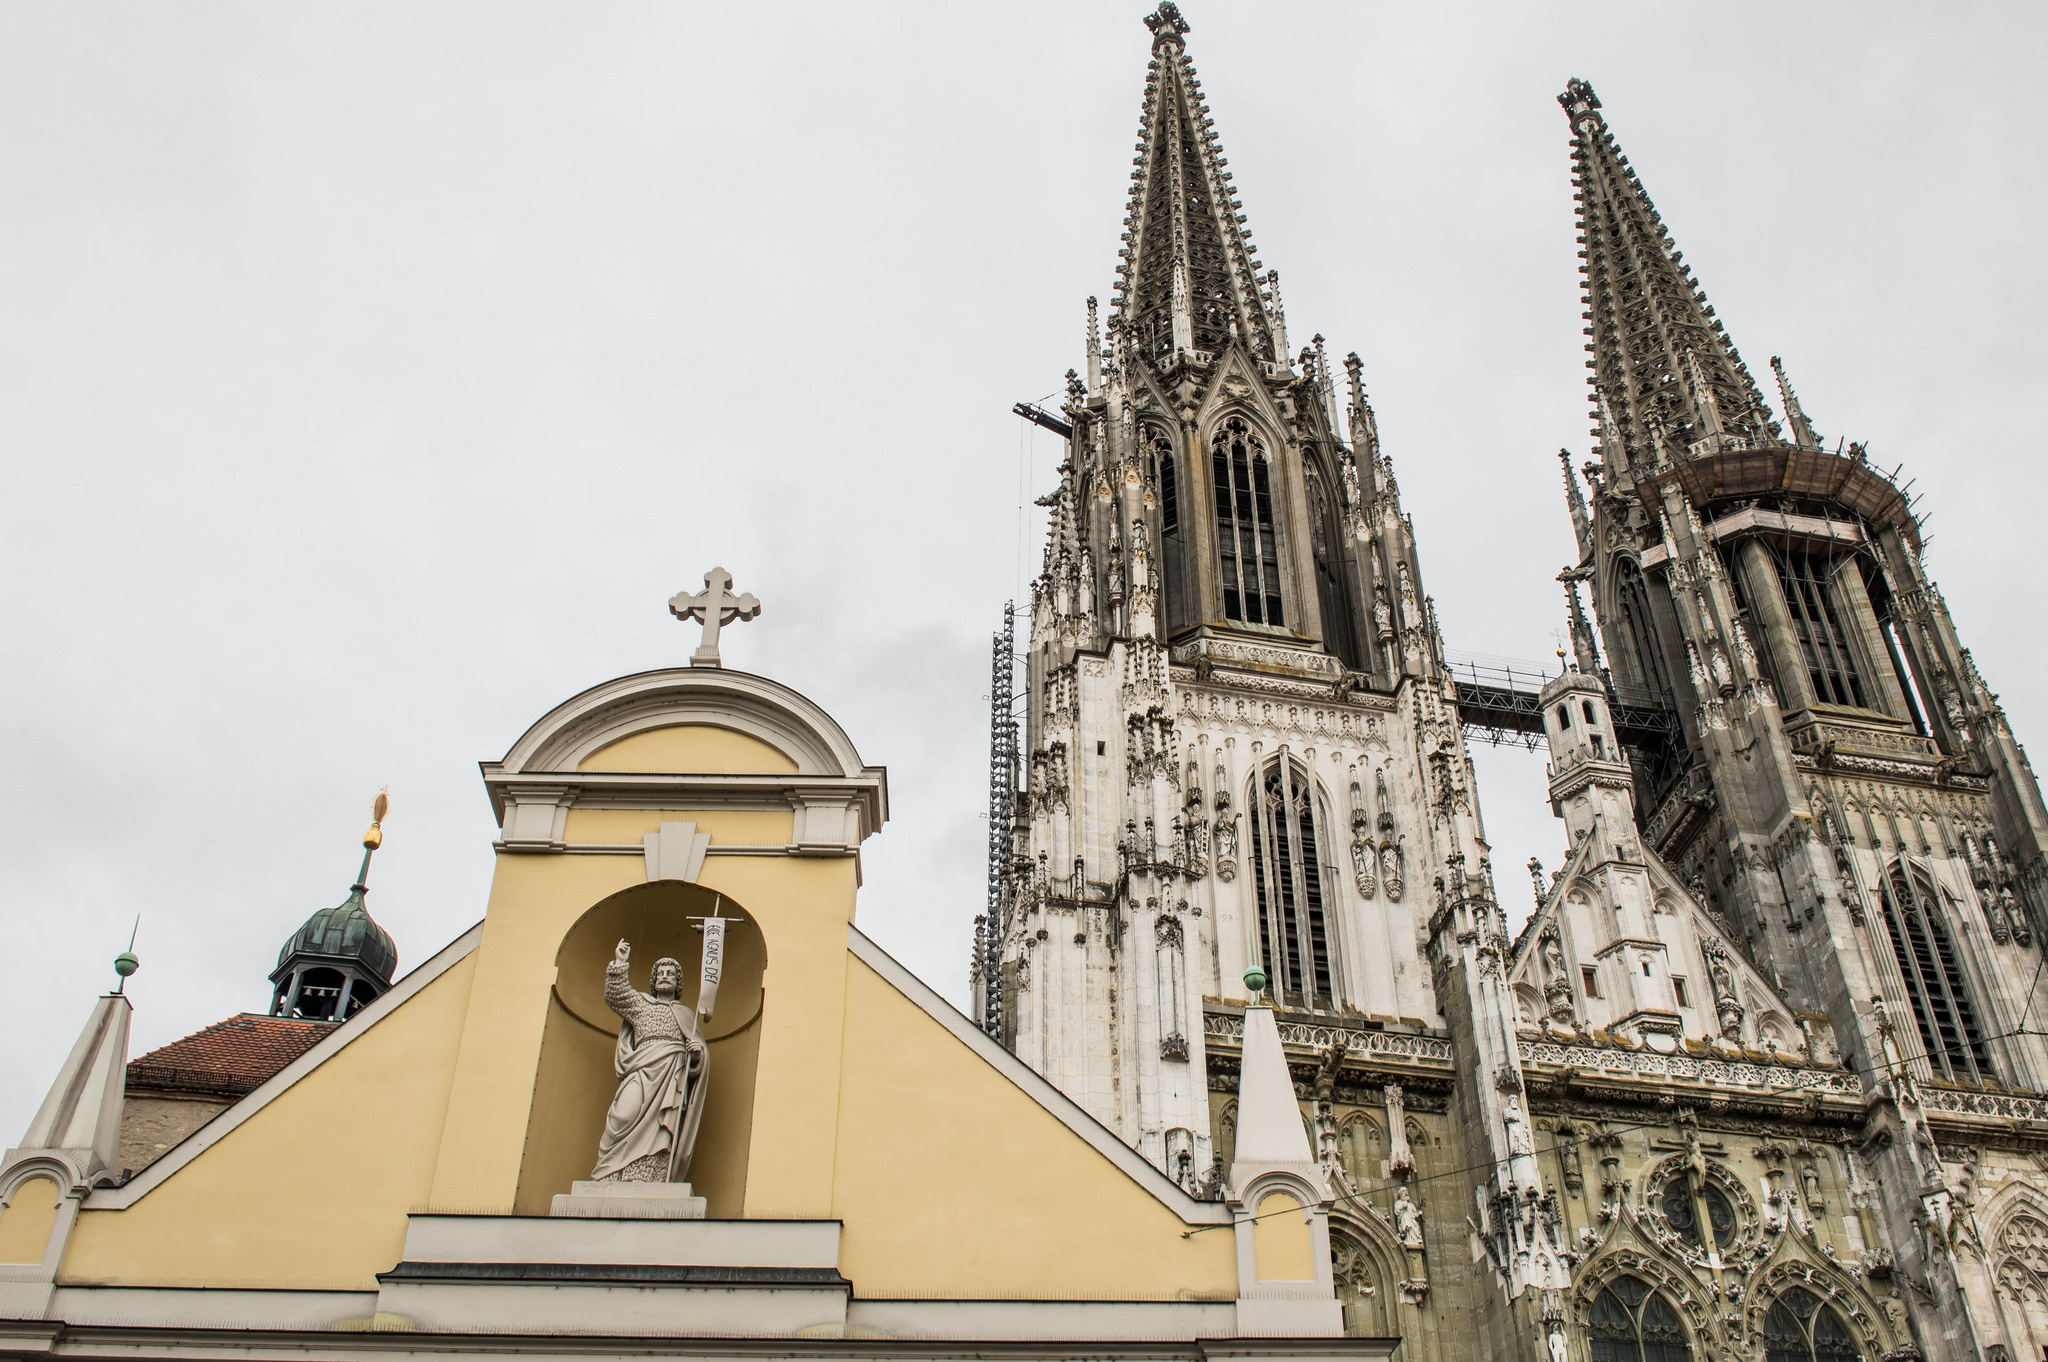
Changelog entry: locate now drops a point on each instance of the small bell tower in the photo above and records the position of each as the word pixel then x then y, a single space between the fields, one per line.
pixel 1593 789
pixel 340 960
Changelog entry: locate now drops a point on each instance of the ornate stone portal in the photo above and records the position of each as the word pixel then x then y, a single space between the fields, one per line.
pixel 650 1130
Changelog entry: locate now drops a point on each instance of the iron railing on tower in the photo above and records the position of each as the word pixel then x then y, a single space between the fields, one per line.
pixel 1498 700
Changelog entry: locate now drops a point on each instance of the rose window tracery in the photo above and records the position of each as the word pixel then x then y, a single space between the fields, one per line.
pixel 1679 1209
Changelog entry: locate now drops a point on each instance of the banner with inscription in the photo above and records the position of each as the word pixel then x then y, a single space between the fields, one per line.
pixel 714 962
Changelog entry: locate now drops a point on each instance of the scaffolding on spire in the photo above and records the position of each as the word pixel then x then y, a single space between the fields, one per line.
pixel 1002 786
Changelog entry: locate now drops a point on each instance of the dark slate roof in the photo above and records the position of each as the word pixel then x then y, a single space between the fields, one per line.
pixel 228 1058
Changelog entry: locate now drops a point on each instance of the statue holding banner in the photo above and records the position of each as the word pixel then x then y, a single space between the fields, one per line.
pixel 662 1065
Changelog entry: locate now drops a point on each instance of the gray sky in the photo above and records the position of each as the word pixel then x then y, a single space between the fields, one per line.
pixel 370 375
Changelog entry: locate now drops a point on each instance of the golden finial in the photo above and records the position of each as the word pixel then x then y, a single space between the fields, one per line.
pixel 380 806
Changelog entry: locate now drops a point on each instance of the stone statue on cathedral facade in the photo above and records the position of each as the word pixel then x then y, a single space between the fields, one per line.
pixel 662 1066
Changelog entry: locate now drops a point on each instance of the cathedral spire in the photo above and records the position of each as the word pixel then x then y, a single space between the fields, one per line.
pixel 1365 437
pixel 1795 415
pixel 1582 522
pixel 1188 280
pixel 1094 352
pixel 1660 356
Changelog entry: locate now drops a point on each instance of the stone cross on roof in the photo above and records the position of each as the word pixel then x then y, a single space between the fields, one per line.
pixel 716 606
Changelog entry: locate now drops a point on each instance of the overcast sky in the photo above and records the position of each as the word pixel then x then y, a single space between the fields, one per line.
pixel 370 375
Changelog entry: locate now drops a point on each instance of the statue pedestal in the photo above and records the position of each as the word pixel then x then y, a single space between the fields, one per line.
pixel 629 1201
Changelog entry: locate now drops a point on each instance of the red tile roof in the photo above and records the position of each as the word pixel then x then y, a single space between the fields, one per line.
pixel 228 1058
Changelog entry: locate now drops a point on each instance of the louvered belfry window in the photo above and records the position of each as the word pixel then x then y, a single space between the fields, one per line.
pixel 1249 553
pixel 1295 939
pixel 1811 600
pixel 1169 487
pixel 1916 917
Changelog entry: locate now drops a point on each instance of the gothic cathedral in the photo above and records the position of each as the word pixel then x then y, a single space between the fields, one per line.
pixel 1757 1079
pixel 1258 1071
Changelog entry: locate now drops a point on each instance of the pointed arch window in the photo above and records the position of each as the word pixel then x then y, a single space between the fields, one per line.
pixel 1295 936
pixel 2022 1278
pixel 1811 599
pixel 1800 1328
pixel 1248 551
pixel 1325 535
pixel 1169 485
pixel 1916 917
pixel 1632 1323
pixel 1353 1270
pixel 1640 629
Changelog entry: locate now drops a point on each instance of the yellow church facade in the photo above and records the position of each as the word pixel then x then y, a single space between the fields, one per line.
pixel 872 1165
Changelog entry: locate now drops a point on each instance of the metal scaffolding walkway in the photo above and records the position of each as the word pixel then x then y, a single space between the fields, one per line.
pixel 1497 699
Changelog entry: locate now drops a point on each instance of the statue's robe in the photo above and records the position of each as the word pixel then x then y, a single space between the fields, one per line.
pixel 660 1101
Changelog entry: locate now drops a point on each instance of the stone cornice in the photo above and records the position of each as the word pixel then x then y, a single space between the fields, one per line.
pixel 835 812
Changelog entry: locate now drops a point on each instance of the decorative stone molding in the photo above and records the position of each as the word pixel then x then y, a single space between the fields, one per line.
pixel 1689 1068
pixel 1358 1042
pixel 1231 652
pixel 2010 1106
pixel 676 852
pixel 838 801
pixel 767 710
pixel 1400 1159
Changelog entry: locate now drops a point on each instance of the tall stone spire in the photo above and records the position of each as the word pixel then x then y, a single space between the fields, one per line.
pixel 1187 279
pixel 1661 359
pixel 1582 523
pixel 1795 415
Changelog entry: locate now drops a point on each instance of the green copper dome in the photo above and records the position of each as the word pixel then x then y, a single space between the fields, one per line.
pixel 344 934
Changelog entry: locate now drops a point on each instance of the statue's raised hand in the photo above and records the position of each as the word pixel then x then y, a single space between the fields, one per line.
pixel 623 953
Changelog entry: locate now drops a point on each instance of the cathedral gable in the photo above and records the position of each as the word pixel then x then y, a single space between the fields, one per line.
pixel 1582 955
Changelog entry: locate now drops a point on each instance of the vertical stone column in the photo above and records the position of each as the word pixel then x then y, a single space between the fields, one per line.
pixel 1873 658
pixel 1767 599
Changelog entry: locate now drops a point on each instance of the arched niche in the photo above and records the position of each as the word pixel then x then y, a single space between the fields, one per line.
pixel 1281 1236
pixel 575 1080
pixel 1362 1149
pixel 28 1213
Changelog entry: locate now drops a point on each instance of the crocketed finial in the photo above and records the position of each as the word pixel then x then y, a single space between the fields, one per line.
pixel 1165 22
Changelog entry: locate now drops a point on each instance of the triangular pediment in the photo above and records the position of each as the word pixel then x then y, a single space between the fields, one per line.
pixel 1237 380
pixel 1731 1008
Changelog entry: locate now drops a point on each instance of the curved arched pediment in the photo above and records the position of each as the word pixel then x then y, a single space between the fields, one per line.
pixel 688 739
pixel 605 716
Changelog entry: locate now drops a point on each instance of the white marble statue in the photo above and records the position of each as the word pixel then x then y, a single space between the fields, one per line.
pixel 662 1066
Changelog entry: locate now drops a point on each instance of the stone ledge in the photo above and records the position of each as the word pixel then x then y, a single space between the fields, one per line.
pixel 616 1274
pixel 629 1201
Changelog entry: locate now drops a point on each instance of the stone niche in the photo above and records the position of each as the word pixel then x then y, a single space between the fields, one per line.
pixel 574 1081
